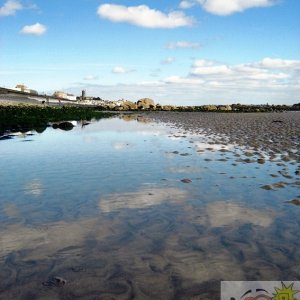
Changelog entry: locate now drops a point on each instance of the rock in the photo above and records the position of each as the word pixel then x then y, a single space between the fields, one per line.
pixel 267 187
pixel 145 103
pixel 169 107
pixel 186 180
pixel 111 106
pixel 60 281
pixel 63 126
pixel 55 282
pixel 5 137
pixel 261 161
pixel 248 160
pixel 279 185
pixel 294 201
pixel 225 108
pixel 248 154
pixel 296 106
pixel 128 105
pixel 210 107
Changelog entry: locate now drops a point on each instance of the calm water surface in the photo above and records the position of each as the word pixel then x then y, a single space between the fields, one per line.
pixel 101 212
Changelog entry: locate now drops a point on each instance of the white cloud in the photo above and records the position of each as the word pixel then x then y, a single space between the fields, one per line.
pixel 168 61
pixel 266 78
pixel 91 77
pixel 186 4
pixel 203 63
pixel 183 80
pixel 144 16
pixel 276 63
pixel 35 29
pixel 228 7
pixel 211 70
pixel 211 82
pixel 120 70
pixel 266 69
pixel 10 8
pixel 183 44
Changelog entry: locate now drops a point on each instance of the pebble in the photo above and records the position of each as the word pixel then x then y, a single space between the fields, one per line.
pixel 267 187
pixel 185 154
pixel 55 282
pixel 294 201
pixel 261 161
pixel 186 180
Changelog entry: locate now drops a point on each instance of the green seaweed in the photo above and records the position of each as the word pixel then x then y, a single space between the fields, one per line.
pixel 31 117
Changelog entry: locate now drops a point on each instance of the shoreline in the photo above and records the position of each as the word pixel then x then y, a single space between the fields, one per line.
pixel 274 133
pixel 145 104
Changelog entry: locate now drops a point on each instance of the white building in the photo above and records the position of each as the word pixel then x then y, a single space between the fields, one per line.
pixel 23 88
pixel 63 95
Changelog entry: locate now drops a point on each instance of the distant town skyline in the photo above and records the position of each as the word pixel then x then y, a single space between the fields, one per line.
pixel 189 52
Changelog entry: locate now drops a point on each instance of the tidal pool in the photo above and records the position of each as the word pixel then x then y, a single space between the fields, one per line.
pixel 128 208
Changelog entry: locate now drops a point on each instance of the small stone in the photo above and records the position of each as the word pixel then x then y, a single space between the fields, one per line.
pixel 294 201
pixel 185 154
pixel 55 282
pixel 60 281
pixel 248 160
pixel 261 161
pixel 279 185
pixel 267 187
pixel 249 154
pixel 186 180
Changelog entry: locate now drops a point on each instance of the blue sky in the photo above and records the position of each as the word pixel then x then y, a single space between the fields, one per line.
pixel 189 52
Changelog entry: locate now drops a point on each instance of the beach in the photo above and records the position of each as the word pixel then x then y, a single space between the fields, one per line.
pixel 273 134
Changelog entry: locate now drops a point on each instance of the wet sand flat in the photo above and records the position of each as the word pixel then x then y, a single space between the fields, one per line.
pixel 277 133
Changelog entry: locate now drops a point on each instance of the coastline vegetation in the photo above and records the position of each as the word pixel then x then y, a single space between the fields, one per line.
pixel 37 117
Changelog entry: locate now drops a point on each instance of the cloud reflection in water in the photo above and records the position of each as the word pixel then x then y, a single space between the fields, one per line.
pixel 222 213
pixel 142 198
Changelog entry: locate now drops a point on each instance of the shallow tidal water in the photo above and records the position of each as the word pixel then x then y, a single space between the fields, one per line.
pixel 128 208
